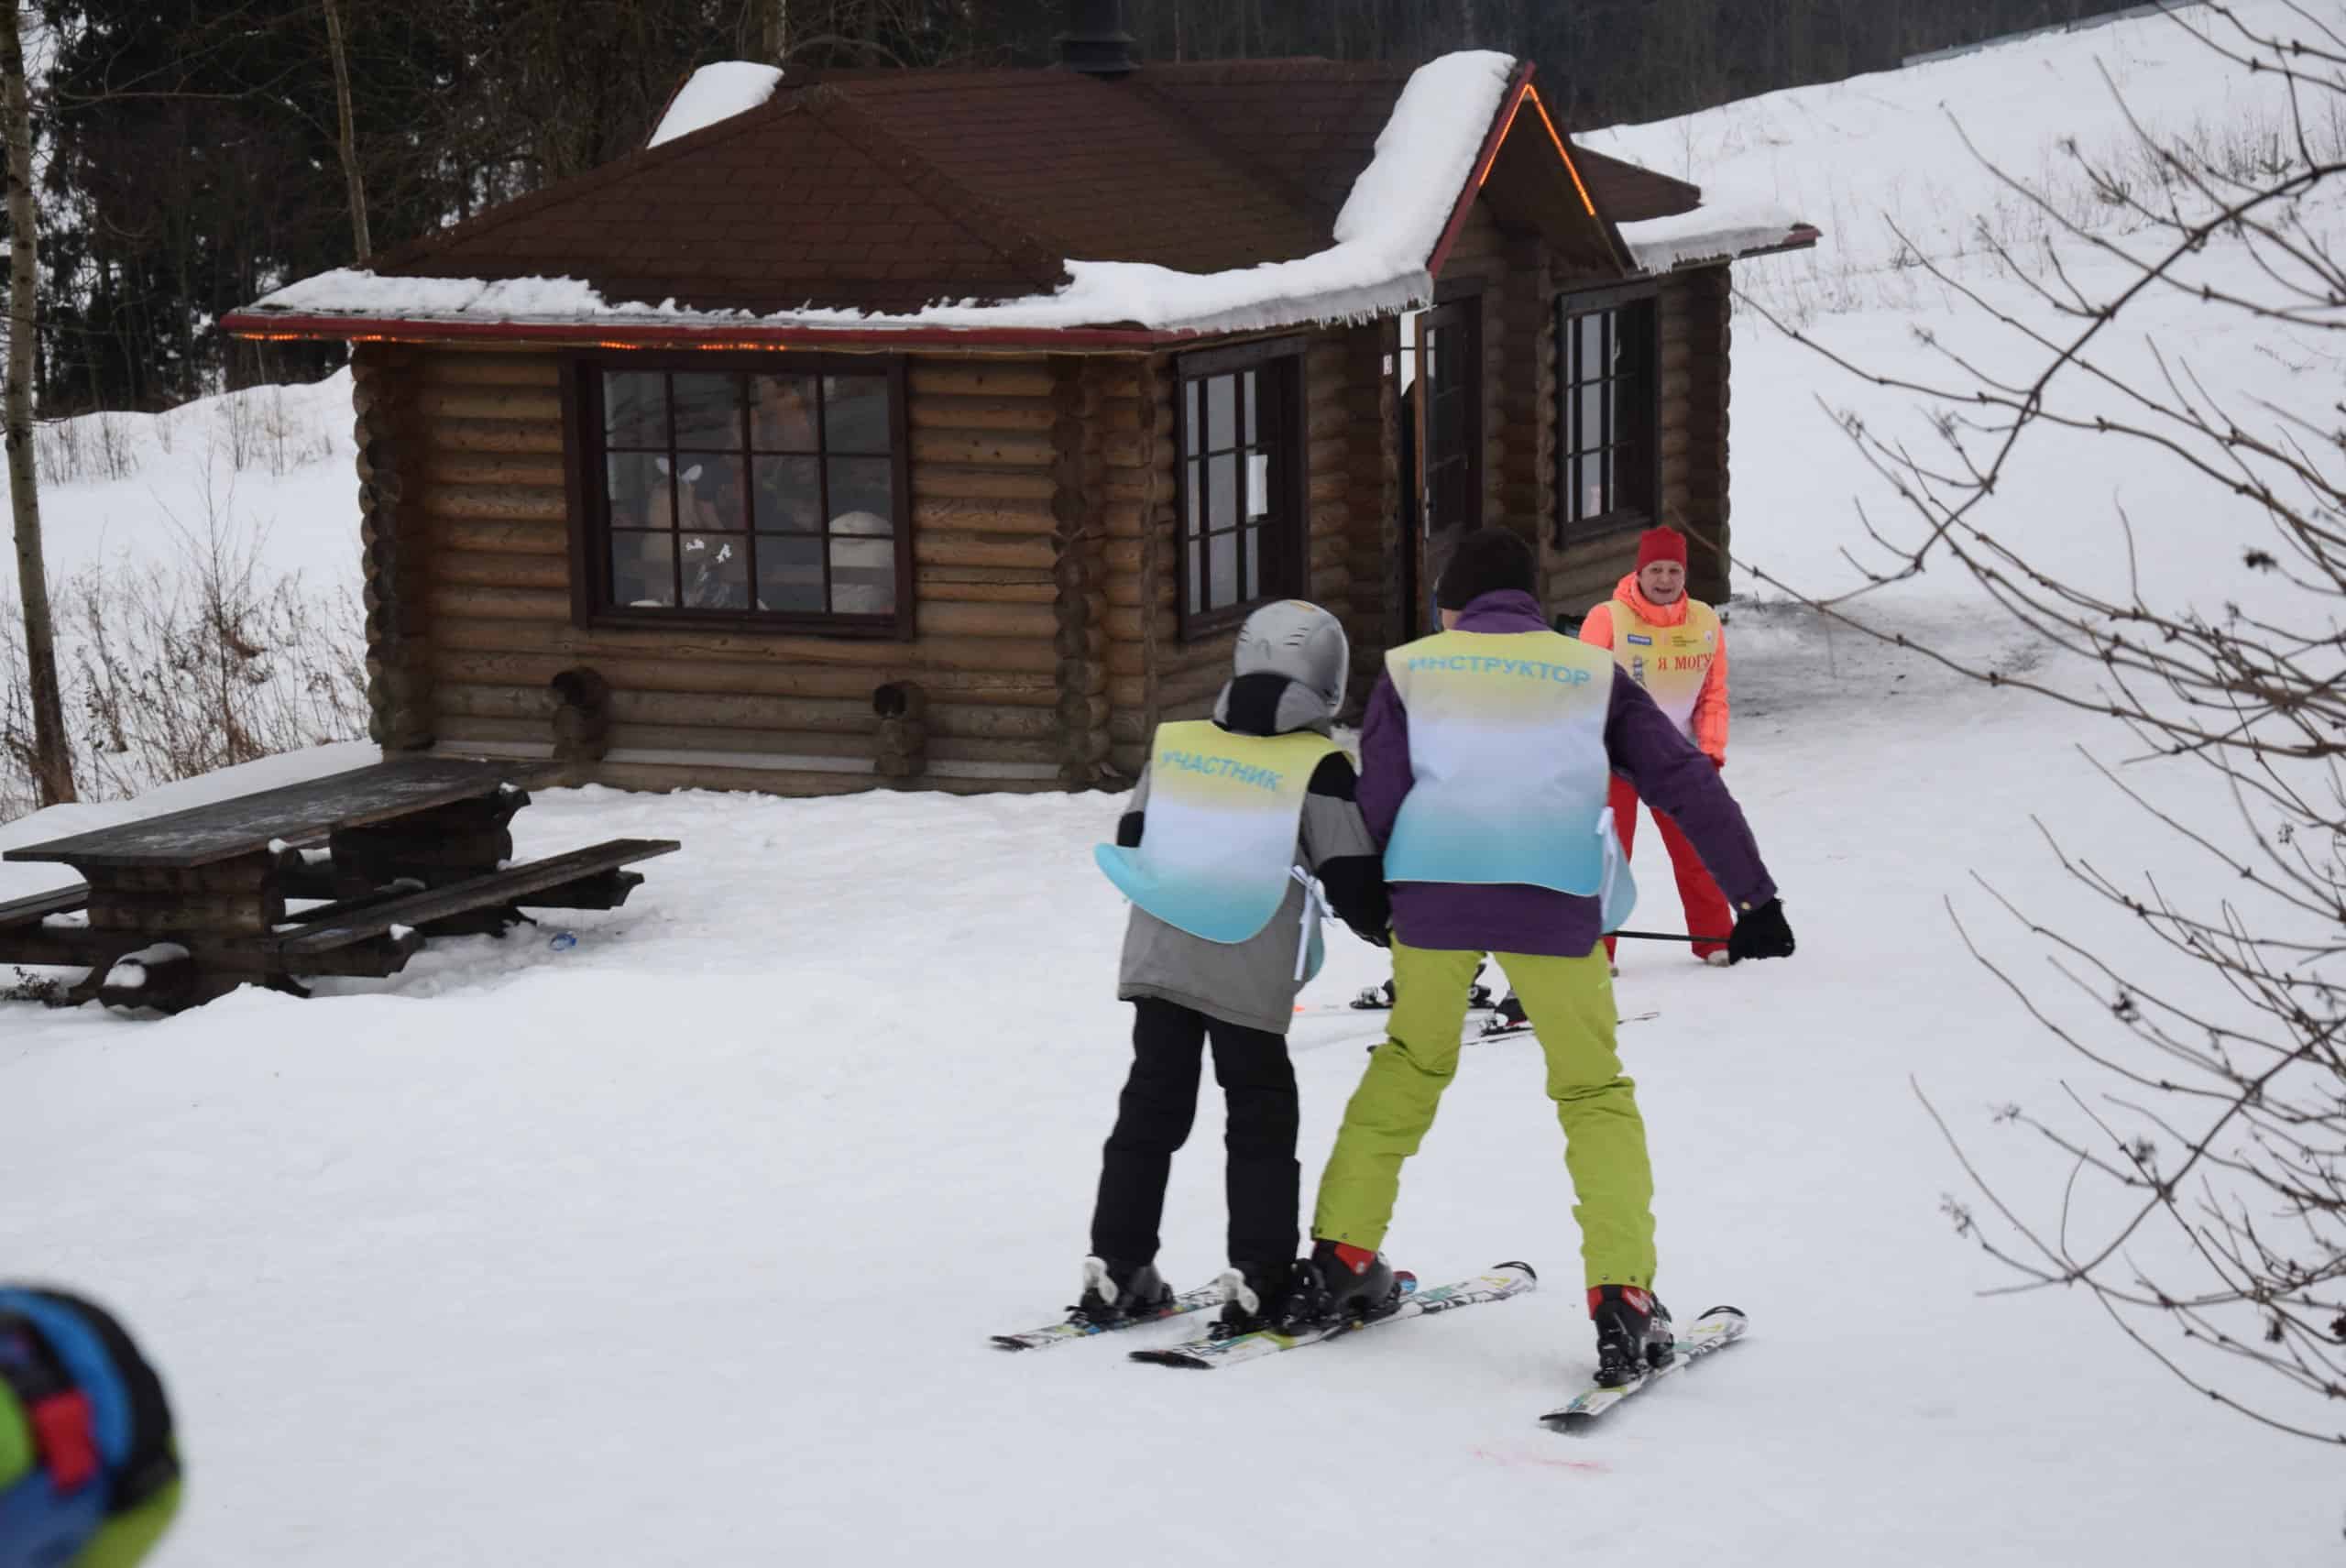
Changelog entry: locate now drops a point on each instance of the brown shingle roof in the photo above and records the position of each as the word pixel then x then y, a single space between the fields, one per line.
pixel 886 191
pixel 797 203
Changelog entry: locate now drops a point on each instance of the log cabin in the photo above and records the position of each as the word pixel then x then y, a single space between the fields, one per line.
pixel 936 430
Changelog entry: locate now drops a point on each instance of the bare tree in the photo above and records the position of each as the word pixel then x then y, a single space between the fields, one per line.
pixel 52 757
pixel 345 139
pixel 2223 1157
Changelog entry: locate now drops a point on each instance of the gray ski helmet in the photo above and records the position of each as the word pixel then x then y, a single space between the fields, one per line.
pixel 1297 639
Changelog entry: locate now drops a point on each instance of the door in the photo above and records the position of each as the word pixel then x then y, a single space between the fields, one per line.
pixel 1447 412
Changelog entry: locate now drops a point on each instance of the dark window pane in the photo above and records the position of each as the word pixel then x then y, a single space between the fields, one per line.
pixel 855 413
pixel 710 494
pixel 789 495
pixel 782 414
pixel 863 574
pixel 1192 432
pixel 639 490
pixel 1448 426
pixel 790 574
pixel 1222 491
pixel 1569 486
pixel 717 570
pixel 1224 556
pixel 708 413
pixel 1633 477
pixel 643 569
pixel 635 407
pixel 1254 562
pixel 1193 492
pixel 1196 554
pixel 862 487
pixel 1222 412
pixel 1433 363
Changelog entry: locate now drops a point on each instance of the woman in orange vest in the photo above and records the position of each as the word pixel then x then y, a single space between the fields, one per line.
pixel 1674 647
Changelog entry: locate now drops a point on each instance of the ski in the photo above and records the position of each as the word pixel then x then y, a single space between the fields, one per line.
pixel 1080 1327
pixel 1500 1282
pixel 1500 1028
pixel 1714 1329
pixel 1479 1001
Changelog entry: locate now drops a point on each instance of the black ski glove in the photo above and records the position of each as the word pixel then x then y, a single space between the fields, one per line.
pixel 1760 934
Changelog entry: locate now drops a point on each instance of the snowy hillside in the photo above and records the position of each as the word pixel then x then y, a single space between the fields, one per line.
pixel 273 462
pixel 682 1244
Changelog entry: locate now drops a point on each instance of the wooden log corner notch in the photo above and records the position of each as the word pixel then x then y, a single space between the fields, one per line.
pixel 902 707
pixel 582 715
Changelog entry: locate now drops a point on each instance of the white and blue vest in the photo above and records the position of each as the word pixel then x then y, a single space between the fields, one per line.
pixel 1217 848
pixel 1506 750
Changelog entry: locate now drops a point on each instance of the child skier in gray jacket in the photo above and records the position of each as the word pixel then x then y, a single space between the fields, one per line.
pixel 1223 933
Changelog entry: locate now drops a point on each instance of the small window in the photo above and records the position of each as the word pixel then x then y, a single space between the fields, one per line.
pixel 1606 412
pixel 767 496
pixel 1241 502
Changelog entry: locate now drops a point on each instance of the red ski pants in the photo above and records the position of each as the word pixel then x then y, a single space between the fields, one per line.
pixel 1707 910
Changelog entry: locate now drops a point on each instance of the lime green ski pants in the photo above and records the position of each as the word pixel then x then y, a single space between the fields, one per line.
pixel 1570 1004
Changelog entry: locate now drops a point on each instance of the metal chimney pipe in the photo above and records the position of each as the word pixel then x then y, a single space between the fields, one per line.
pixel 1095 42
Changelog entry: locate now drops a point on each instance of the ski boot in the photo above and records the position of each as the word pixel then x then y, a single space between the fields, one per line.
pixel 1338 1283
pixel 1379 998
pixel 1251 1295
pixel 1508 1019
pixel 1633 1333
pixel 1115 1291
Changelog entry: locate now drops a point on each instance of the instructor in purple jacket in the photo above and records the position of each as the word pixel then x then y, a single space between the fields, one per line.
pixel 1486 756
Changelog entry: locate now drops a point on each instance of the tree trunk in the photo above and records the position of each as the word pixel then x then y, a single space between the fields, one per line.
pixel 53 756
pixel 774 26
pixel 347 141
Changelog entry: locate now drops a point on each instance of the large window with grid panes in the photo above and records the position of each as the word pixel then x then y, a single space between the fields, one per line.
pixel 1239 425
pixel 1608 415
pixel 758 492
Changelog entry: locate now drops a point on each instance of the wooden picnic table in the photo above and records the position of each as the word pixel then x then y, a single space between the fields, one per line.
pixel 192 904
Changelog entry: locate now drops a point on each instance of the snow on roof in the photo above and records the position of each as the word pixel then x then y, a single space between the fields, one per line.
pixel 716 92
pixel 1384 235
pixel 1713 232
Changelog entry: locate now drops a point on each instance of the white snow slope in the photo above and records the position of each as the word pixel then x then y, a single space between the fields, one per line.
pixel 681 1245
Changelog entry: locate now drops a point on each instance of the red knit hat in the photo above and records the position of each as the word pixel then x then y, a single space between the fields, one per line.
pixel 1664 544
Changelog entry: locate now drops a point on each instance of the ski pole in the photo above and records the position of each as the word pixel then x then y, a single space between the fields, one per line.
pixel 1665 936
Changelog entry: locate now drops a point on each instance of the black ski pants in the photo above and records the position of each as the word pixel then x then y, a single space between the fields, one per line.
pixel 1153 1119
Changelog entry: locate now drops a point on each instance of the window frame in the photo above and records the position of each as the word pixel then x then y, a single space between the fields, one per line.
pixel 1284 554
pixel 587 480
pixel 1641 300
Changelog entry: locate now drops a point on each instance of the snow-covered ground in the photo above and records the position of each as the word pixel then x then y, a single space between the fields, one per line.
pixel 682 1244
pixel 270 465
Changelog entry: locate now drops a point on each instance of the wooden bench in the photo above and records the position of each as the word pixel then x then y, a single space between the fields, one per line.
pixel 323 932
pixel 40 906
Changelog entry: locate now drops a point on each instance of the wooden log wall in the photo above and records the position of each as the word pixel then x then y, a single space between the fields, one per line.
pixel 1153 676
pixel 393 549
pixel 722 709
pixel 1102 425
pixel 1692 324
pixel 1697 307
pixel 1139 560
pixel 1372 437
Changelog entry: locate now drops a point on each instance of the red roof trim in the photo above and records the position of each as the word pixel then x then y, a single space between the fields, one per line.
pixel 623 334
pixel 1490 149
